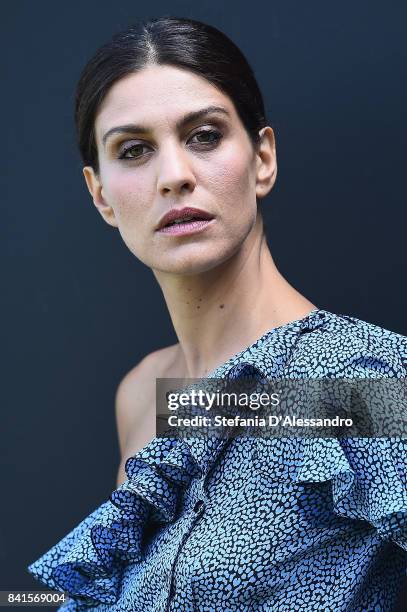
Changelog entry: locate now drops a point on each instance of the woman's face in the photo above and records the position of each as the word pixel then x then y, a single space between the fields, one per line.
pixel 153 158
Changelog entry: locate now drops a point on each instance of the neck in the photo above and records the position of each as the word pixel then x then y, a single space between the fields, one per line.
pixel 219 312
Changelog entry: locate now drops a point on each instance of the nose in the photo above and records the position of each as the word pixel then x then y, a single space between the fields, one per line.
pixel 175 172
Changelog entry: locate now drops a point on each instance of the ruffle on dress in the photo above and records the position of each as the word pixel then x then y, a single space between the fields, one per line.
pixel 368 474
pixel 88 562
pixel 369 480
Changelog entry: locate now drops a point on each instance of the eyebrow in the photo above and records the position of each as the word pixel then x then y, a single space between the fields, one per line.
pixel 132 128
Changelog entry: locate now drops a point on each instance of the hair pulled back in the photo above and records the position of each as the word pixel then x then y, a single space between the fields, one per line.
pixel 183 43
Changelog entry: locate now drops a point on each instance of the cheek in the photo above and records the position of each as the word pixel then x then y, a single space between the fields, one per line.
pixel 232 179
pixel 128 195
pixel 131 197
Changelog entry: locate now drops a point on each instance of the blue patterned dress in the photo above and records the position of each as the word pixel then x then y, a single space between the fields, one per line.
pixel 254 524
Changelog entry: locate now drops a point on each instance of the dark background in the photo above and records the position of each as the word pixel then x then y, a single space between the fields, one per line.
pixel 79 310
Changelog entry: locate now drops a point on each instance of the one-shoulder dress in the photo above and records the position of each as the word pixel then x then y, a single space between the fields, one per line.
pixel 254 524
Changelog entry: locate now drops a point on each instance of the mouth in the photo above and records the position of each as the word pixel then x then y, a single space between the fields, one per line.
pixel 187 226
pixel 184 220
pixel 185 217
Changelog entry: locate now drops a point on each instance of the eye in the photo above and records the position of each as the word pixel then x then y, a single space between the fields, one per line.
pixel 207 137
pixel 135 150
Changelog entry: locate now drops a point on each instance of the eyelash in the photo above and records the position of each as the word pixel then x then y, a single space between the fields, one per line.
pixel 207 145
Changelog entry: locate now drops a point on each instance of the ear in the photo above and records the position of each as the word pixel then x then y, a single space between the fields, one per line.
pixel 266 162
pixel 96 191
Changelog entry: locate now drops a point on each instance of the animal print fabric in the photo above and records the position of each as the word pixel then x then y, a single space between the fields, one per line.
pixel 254 524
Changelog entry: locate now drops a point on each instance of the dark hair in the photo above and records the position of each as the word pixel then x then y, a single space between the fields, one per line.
pixel 184 43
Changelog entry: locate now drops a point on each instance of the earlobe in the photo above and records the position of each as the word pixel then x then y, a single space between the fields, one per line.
pixel 96 191
pixel 266 162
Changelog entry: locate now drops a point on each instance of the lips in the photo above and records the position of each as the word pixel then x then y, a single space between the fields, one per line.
pixel 176 214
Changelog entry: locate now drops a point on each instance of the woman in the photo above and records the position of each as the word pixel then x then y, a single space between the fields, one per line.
pixel 171 126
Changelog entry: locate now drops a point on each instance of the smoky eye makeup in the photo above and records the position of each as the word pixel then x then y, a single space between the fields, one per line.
pixel 204 138
pixel 207 135
pixel 131 150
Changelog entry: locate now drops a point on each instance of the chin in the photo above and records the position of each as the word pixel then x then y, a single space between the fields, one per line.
pixel 186 268
pixel 189 265
pixel 193 258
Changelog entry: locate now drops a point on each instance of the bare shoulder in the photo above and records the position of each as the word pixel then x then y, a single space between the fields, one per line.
pixel 159 363
pixel 135 401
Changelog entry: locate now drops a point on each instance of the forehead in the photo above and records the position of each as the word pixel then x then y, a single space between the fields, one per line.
pixel 158 95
